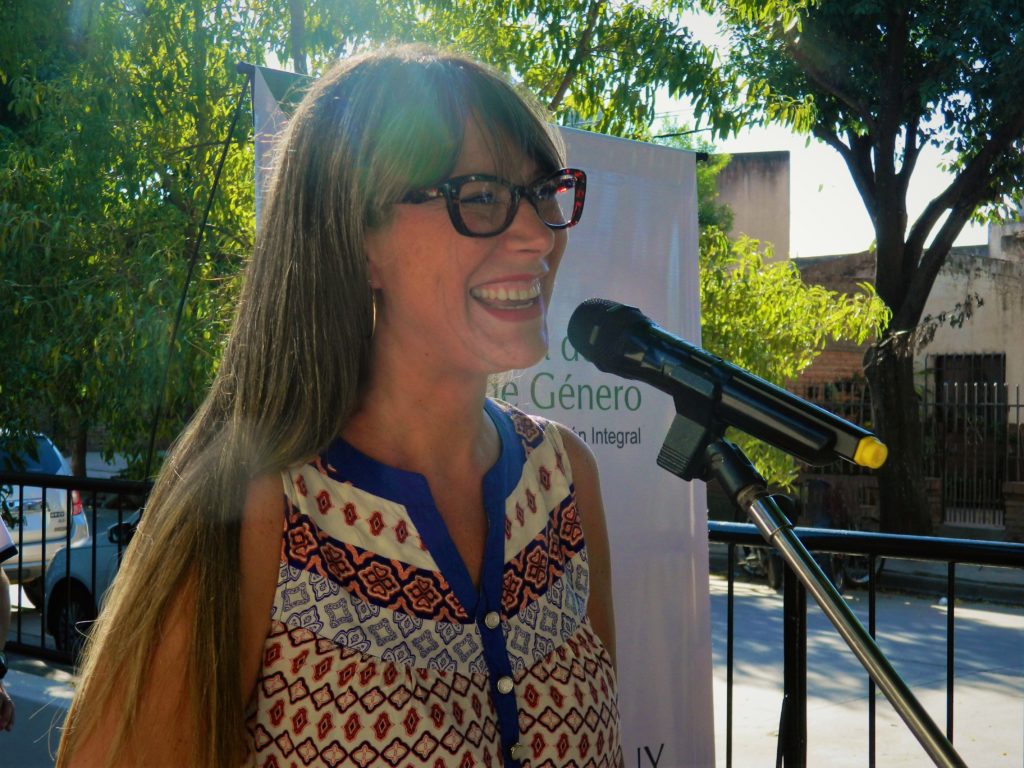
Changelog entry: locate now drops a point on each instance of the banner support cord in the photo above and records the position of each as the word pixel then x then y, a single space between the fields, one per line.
pixel 159 405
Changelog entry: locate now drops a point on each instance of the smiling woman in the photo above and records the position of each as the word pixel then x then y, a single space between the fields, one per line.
pixel 431 278
pixel 364 559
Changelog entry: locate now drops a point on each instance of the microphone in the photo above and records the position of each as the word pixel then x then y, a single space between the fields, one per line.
pixel 622 340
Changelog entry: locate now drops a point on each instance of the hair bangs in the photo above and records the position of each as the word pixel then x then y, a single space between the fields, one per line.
pixel 514 126
pixel 413 138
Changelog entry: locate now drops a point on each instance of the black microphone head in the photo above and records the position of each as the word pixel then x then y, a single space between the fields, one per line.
pixel 597 328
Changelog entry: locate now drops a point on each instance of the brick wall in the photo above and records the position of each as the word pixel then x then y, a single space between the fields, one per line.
pixel 835 363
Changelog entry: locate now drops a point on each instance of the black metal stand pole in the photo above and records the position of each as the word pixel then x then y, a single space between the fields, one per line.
pixel 793 720
pixel 726 463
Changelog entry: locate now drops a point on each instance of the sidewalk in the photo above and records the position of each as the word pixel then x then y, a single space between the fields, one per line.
pixel 973 582
pixel 989 679
pixel 42 694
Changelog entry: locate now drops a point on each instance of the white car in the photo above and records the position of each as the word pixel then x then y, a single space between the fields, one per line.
pixel 27 510
pixel 76 582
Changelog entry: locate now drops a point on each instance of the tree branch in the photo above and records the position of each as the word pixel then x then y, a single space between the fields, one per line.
pixel 857 157
pixel 297 35
pixel 829 85
pixel 911 151
pixel 890 103
pixel 970 182
pixel 908 315
pixel 578 55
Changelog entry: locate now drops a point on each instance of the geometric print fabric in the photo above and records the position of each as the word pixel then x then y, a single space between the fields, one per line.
pixel 373 660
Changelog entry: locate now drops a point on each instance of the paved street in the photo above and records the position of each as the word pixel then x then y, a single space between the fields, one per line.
pixel 42 693
pixel 989 697
pixel 989 726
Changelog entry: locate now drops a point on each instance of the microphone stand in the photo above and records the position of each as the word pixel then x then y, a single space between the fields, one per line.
pixel 695 449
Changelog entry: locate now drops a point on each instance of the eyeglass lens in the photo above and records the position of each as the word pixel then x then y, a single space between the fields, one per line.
pixel 485 204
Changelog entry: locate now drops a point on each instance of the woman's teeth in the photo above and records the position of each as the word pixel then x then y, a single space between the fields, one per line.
pixel 515 295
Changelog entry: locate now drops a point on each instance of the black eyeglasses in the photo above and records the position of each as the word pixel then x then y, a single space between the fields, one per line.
pixel 480 205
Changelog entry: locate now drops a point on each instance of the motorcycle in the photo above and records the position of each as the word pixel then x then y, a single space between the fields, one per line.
pixel 820 506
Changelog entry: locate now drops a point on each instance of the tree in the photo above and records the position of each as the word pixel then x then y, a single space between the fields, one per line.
pixel 762 316
pixel 878 80
pixel 596 64
pixel 109 117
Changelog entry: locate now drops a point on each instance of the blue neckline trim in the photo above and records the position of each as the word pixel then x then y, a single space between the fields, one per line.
pixel 411 490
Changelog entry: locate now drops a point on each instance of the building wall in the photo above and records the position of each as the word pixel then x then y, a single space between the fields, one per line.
pixel 996 324
pixel 1006 241
pixel 840 360
pixel 755 185
pixel 834 364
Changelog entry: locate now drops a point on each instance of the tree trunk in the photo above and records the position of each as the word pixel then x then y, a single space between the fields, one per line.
pixel 297 35
pixel 79 447
pixel 902 497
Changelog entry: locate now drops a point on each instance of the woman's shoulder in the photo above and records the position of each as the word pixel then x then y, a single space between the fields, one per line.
pixel 259 555
pixel 534 430
pixel 263 517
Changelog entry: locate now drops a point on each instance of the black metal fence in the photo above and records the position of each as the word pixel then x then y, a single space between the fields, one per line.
pixel 873 546
pixel 63 576
pixel 977 433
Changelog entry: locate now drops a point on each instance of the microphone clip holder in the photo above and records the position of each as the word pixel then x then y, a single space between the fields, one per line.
pixel 691 433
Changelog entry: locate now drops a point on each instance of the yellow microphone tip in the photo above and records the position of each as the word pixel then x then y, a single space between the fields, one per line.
pixel 871 452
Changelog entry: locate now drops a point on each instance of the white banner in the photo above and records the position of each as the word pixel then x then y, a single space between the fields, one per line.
pixel 636 244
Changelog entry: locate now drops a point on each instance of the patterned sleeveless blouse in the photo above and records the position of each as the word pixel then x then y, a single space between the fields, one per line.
pixel 384 653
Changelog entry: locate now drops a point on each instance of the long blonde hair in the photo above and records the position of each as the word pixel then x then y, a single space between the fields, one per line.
pixel 374 127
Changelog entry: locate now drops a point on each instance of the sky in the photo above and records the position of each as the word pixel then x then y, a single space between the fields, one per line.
pixel 827 215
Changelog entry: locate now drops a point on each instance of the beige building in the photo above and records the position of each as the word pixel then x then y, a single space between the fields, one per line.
pixel 993 287
pixel 755 185
pixel 975 309
pixel 970 357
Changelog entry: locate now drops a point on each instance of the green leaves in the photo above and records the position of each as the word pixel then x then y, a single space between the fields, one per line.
pixel 760 315
pixel 105 166
pixel 596 64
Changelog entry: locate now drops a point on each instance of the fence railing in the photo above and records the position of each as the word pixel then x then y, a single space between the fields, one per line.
pixel 972 440
pixel 793 718
pixel 64 575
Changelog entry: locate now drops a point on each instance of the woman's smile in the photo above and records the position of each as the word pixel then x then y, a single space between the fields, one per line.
pixel 508 294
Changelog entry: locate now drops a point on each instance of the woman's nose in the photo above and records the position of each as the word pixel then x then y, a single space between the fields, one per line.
pixel 529 229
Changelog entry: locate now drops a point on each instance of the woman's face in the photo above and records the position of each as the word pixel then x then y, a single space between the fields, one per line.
pixel 464 304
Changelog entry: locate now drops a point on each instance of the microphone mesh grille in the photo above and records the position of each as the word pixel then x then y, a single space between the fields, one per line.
pixel 585 324
pixel 598 329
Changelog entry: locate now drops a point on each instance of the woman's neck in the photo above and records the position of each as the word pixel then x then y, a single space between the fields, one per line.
pixel 418 422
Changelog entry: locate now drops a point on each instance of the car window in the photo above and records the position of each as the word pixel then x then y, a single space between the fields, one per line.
pixel 39 457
